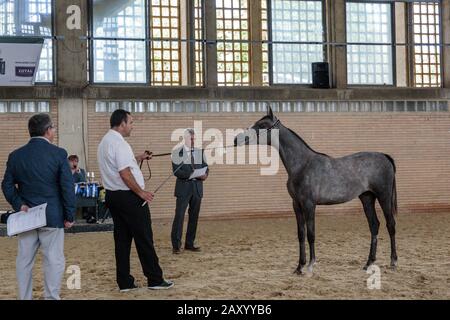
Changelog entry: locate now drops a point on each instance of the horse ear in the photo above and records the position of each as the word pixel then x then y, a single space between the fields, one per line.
pixel 269 112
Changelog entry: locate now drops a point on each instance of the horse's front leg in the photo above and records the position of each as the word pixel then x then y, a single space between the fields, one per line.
pixel 309 210
pixel 301 237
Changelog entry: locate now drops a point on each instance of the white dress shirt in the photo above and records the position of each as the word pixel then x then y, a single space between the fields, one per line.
pixel 115 154
pixel 189 153
pixel 41 137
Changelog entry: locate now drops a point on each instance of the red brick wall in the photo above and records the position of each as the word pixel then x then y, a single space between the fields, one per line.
pixel 14 131
pixel 419 143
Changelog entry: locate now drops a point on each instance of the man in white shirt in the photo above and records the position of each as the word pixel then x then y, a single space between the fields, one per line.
pixel 125 193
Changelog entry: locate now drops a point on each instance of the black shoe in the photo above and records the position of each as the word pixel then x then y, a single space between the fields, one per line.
pixel 133 287
pixel 193 248
pixel 166 284
pixel 91 220
pixel 176 251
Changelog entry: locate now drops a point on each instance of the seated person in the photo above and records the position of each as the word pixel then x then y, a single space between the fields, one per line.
pixel 79 175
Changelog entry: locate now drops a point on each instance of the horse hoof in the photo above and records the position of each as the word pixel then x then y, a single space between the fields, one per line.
pixel 298 271
pixel 368 264
pixel 394 265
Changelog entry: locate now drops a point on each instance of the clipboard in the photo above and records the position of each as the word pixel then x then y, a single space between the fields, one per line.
pixel 21 221
pixel 198 173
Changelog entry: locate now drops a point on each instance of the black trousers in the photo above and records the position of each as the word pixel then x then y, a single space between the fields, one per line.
pixel 132 221
pixel 193 200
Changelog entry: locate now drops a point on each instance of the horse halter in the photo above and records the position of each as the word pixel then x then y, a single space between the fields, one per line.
pixel 274 126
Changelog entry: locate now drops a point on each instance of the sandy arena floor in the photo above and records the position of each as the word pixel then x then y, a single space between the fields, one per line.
pixel 255 259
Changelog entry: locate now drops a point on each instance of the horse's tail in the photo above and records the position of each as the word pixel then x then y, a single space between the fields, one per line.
pixel 394 187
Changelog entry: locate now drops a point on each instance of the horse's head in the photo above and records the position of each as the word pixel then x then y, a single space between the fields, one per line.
pixel 260 132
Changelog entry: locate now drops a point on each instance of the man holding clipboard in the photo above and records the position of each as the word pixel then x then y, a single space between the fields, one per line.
pixel 191 169
pixel 38 177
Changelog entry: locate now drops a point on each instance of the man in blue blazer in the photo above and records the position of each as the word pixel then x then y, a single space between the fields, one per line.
pixel 39 173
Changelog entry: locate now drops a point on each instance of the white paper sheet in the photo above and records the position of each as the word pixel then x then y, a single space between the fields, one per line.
pixel 198 173
pixel 25 221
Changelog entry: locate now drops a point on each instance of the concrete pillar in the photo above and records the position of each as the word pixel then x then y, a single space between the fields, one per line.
pixel 211 45
pixel 72 127
pixel 71 72
pixel 446 39
pixel 337 34
pixel 401 52
pixel 256 44
pixel 71 50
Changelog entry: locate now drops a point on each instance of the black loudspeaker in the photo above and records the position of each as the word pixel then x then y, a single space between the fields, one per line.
pixel 321 77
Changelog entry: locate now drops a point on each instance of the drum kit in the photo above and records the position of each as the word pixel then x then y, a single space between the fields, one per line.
pixel 88 189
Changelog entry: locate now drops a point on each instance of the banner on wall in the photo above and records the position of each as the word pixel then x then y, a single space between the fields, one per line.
pixel 19 60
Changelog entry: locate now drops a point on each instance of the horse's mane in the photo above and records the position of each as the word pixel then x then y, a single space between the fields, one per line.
pixel 303 141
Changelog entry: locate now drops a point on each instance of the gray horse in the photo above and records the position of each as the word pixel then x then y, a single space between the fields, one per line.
pixel 318 179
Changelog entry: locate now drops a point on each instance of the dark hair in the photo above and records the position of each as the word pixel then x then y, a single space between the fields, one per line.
pixel 118 117
pixel 73 157
pixel 38 124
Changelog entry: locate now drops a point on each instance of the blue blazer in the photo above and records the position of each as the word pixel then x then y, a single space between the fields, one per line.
pixel 42 174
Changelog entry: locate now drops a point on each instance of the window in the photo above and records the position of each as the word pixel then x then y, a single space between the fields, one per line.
pixel 30 18
pixel 369 63
pixel 165 55
pixel 299 22
pixel 426 56
pixel 233 64
pixel 122 59
pixel 265 46
pixel 198 18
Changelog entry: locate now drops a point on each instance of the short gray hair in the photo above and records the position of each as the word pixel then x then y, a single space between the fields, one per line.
pixel 38 124
pixel 189 131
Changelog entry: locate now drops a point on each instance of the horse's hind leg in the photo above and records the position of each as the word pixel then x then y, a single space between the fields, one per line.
pixel 368 201
pixel 301 237
pixel 386 205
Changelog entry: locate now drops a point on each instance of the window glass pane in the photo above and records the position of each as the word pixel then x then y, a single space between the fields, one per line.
pixel 233 49
pixel 372 63
pixel 119 61
pixel 296 21
pixel 29 106
pixel 426 50
pixel 265 46
pixel 152 106
pixel 43 106
pixel 30 18
pixel 198 44
pixel 128 106
pixel 3 106
pixel 140 106
pixel 113 106
pixel 164 106
pixel 165 55
pixel 100 106
pixel 119 18
pixel 45 70
pixel 15 106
